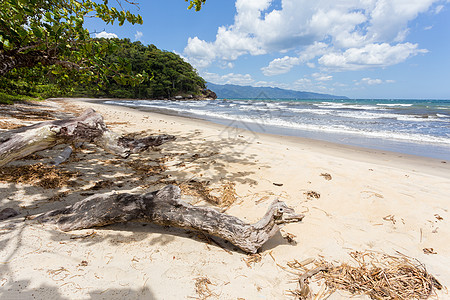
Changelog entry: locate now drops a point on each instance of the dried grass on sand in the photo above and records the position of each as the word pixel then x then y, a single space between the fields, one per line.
pixel 378 275
pixel 202 288
pixel 48 177
pixel 202 190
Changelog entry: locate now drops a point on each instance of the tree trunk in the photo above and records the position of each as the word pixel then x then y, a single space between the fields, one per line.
pixel 164 207
pixel 88 127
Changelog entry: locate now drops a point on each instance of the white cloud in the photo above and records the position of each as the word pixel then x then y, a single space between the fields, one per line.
pixel 371 55
pixel 321 77
pixel 306 84
pixel 138 35
pixel 372 81
pixel 285 64
pixel 230 78
pixel 106 35
pixel 338 28
pixel 438 9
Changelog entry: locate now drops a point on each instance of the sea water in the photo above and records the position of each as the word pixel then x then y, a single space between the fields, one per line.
pixel 419 127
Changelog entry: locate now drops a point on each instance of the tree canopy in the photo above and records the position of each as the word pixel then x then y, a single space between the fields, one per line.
pixel 165 74
pixel 52 32
pixel 45 50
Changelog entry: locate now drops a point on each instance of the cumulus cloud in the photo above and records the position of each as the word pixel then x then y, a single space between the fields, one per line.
pixel 331 33
pixel 230 78
pixel 371 55
pixel 285 64
pixel 138 35
pixel 372 81
pixel 106 35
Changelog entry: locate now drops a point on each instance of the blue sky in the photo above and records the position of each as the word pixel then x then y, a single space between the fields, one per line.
pixel 355 48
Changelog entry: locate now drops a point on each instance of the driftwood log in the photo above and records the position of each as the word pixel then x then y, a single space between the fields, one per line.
pixel 88 127
pixel 164 207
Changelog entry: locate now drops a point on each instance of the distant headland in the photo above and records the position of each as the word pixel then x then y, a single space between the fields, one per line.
pixel 249 92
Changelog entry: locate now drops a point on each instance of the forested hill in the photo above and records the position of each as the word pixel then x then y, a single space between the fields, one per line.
pixel 133 70
pixel 248 92
pixel 168 74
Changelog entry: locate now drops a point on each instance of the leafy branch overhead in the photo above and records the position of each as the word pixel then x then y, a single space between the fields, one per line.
pixel 195 3
pixel 52 32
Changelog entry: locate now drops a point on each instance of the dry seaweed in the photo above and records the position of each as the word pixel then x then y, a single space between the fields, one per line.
pixel 202 190
pixel 252 259
pixel 48 177
pixel 377 275
pixel 198 189
pixel 429 251
pixel 9 125
pixel 326 176
pixel 202 287
pixel 228 194
pixel 310 195
pixel 144 170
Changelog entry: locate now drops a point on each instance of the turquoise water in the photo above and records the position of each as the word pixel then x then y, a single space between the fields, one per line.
pixel 420 127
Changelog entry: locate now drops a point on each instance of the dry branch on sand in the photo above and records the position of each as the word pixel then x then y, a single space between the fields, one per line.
pixel 378 275
pixel 88 127
pixel 164 207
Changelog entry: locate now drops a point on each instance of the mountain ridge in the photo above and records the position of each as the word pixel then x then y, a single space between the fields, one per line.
pixel 234 91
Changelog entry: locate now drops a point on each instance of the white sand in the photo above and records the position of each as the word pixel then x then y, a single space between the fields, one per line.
pixel 375 200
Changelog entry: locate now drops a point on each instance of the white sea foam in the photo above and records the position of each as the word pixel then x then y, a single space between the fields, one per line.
pixel 395 104
pixel 422 138
pixel 347 106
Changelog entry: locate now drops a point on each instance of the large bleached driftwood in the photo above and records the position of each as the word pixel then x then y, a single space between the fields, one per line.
pixel 88 127
pixel 164 207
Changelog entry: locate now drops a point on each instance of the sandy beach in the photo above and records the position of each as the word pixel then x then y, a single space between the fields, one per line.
pixel 354 199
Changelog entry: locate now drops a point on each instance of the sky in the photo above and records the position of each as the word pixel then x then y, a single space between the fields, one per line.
pixel 369 49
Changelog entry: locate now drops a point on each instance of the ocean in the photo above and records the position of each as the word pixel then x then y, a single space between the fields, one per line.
pixel 417 127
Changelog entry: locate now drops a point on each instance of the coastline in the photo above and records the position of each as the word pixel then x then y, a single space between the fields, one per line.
pixel 372 200
pixel 280 119
pixel 429 164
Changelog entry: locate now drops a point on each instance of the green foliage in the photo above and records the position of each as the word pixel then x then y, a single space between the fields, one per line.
pixel 156 73
pixel 10 99
pixel 45 51
pixel 195 3
pixel 51 32
pixel 38 82
pixel 131 70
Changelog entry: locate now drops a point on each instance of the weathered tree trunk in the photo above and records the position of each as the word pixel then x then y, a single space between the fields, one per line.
pixel 88 127
pixel 164 207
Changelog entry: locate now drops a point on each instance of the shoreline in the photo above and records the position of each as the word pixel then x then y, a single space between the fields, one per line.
pixel 427 149
pixel 354 199
pixel 431 165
